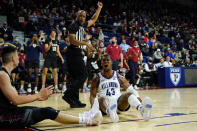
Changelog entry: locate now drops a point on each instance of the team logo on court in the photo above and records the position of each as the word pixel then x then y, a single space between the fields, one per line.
pixel 175 75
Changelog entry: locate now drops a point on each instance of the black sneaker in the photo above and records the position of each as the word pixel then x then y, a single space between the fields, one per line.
pixel 78 105
pixel 82 104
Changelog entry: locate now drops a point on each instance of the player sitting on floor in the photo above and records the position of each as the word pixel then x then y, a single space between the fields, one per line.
pixel 107 86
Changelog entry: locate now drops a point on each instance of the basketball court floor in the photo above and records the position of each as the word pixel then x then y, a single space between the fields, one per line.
pixel 173 110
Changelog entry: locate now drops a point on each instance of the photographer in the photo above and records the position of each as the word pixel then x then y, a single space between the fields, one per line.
pixel 33 50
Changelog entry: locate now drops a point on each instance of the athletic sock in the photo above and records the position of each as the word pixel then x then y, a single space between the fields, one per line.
pixel 22 87
pixel 56 87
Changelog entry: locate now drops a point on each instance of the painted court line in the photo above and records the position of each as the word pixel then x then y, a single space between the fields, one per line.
pixel 176 123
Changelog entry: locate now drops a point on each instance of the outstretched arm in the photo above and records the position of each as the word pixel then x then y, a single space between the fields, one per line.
pixel 93 90
pixel 12 94
pixel 95 16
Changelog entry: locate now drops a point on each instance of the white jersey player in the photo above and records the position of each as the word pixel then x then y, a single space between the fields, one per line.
pixel 107 86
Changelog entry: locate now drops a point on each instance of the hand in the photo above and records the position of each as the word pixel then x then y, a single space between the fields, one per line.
pixel 37 40
pixel 88 37
pixel 45 93
pixel 100 4
pixel 50 43
pixel 90 47
pixel 121 64
pixel 62 61
pixel 64 50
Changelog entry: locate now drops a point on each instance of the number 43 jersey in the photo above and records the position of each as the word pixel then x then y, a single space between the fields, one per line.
pixel 109 87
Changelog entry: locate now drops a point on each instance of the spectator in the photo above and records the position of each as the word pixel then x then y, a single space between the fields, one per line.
pixel 115 51
pixel 178 55
pixel 157 56
pixel 101 35
pixel 193 53
pixel 181 44
pixel 22 72
pixel 187 62
pixel 125 67
pixel 150 71
pixel 134 54
pixel 194 64
pixel 170 53
pixel 174 48
pixel 57 28
pixel 33 50
pixel 17 43
pixel 124 46
pixel 160 64
pixel 6 32
pixel 146 51
pixel 167 63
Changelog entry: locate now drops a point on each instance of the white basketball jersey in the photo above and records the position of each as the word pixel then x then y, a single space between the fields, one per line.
pixel 109 87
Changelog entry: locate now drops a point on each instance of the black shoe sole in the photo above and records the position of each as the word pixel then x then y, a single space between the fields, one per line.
pixel 77 106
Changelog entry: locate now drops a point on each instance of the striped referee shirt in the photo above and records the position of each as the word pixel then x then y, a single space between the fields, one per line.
pixel 78 30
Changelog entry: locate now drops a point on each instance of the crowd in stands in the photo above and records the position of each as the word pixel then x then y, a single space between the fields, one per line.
pixel 166 33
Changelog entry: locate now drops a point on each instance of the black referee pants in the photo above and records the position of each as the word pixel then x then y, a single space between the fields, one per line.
pixel 77 74
pixel 133 71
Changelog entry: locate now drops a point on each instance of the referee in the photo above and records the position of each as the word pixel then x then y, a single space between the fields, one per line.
pixel 77 72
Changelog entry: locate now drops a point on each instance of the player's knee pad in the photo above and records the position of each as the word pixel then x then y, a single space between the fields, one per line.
pixel 49 113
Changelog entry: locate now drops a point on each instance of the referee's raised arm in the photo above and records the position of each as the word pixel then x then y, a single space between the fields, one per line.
pixel 96 15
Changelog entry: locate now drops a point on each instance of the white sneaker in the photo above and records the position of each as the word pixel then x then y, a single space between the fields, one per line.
pixel 111 104
pixel 146 108
pixel 29 90
pixel 22 91
pixel 93 117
